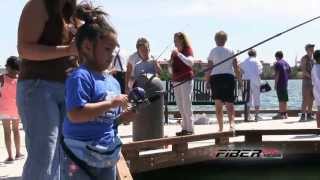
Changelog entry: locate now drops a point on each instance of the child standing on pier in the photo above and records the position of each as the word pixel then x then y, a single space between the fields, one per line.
pixel 282 71
pixel 93 103
pixel 8 108
pixel 315 76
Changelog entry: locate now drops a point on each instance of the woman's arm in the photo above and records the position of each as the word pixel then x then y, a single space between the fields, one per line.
pixel 236 69
pixel 157 67
pixel 276 79
pixel 304 68
pixel 188 60
pixel 32 22
pixel 92 110
pixel 208 73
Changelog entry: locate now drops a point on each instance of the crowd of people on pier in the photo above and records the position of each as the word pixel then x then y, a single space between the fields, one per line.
pixel 69 87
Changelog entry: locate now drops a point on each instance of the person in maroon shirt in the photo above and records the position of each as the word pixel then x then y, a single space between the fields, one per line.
pixel 181 62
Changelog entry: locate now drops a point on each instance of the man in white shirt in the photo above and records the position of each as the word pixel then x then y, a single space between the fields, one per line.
pixel 251 69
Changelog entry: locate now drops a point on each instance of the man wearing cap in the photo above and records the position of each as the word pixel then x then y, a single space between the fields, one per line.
pixel 307 94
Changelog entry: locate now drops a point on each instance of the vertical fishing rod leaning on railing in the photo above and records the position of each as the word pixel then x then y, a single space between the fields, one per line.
pixel 251 47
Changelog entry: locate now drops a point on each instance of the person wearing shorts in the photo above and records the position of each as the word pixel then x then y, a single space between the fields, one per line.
pixel 307 94
pixel 221 79
pixel 282 71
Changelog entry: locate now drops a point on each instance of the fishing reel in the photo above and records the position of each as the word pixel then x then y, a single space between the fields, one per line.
pixel 137 98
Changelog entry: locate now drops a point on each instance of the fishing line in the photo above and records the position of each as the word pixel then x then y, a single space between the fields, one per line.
pixel 251 47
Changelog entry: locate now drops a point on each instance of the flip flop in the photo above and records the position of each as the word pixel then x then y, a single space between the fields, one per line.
pixel 20 156
pixel 9 161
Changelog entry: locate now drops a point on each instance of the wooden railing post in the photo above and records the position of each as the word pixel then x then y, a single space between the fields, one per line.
pixel 181 147
pixel 222 140
pixel 253 138
pixel 166 96
pixel 123 172
pixel 247 98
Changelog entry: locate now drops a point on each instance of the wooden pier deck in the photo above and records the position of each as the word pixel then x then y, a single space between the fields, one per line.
pixel 290 134
pixel 283 137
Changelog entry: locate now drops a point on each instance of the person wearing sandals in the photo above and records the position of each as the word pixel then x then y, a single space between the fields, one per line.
pixel 222 79
pixel 282 71
pixel 251 69
pixel 8 108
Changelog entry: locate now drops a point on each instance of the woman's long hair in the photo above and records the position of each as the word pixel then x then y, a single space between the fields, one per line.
pixel 185 41
pixel 54 8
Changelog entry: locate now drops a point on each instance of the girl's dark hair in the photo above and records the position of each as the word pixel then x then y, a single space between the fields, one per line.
pixel 316 56
pixel 252 53
pixel 95 24
pixel 13 62
pixel 279 54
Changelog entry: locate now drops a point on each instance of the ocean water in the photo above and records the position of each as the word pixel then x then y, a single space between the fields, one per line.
pixel 269 100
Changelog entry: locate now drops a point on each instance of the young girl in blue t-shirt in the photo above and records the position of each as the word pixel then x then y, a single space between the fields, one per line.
pixel 94 103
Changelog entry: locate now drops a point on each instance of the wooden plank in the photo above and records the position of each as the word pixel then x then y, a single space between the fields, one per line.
pixel 277 131
pixel 156 143
pixel 171 159
pixel 253 138
pixel 287 148
pixel 291 113
pixel 222 141
pixel 181 147
pixel 123 172
pixel 208 153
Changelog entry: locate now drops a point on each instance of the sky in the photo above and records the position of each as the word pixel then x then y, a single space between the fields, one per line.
pixel 246 22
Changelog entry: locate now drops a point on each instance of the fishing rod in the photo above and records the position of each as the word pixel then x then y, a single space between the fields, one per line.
pixel 169 45
pixel 243 51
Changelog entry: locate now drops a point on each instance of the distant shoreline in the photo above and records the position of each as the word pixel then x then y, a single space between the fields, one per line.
pixel 273 78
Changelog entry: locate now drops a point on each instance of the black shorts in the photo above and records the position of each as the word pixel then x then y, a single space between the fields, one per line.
pixel 222 87
pixel 282 95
